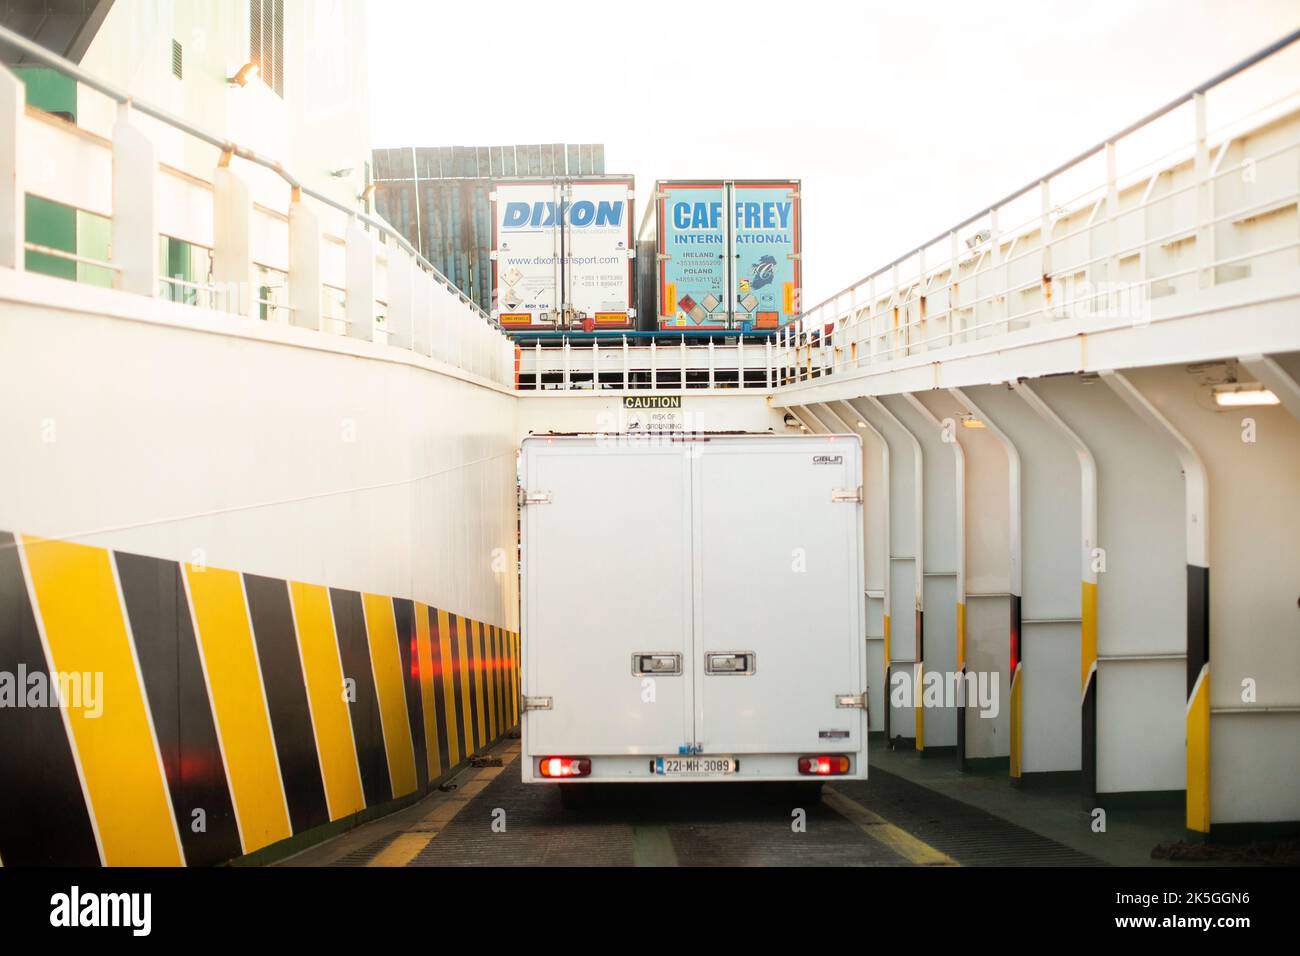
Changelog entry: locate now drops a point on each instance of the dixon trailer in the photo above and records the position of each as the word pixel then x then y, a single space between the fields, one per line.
pixel 692 608
pixel 563 256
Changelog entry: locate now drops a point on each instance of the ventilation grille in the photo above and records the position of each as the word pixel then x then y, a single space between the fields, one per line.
pixel 178 60
pixel 266 41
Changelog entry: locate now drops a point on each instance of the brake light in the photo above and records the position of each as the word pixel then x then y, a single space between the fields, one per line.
pixel 824 766
pixel 564 766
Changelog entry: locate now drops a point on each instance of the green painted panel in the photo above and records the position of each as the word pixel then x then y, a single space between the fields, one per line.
pixel 49 90
pixel 55 225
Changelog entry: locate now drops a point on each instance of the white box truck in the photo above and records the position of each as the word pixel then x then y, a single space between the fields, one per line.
pixel 692 608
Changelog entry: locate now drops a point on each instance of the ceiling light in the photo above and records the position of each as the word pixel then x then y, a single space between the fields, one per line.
pixel 1238 395
pixel 970 421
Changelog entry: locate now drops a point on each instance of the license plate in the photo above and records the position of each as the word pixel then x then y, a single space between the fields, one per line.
pixel 694 766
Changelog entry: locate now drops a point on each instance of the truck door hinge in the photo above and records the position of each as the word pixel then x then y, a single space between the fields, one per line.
pixel 534 497
pixel 847 494
pixel 851 701
pixel 536 703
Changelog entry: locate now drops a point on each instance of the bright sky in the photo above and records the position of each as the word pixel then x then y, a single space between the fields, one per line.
pixel 900 118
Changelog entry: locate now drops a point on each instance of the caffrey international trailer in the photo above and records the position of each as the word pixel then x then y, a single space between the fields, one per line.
pixel 728 253
pixel 692 608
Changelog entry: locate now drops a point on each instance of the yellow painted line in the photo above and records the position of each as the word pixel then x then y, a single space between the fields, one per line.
pixel 404 848
pixel 448 688
pixel 1089 634
pixel 386 662
pixel 446 810
pixel 886 630
pixel 323 672
pixel 514 681
pixel 1017 720
pixel 239 705
pixel 425 654
pixel 473 788
pixel 86 631
pixel 1198 754
pixel 915 851
pixel 919 702
pixel 961 636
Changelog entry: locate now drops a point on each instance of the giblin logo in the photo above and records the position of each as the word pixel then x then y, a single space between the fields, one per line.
pixel 542 215
pixel 74 908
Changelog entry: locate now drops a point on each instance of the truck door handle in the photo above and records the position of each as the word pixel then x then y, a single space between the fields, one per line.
pixel 730 662
pixel 656 664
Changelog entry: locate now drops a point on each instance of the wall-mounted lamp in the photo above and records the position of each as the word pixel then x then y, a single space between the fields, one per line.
pixel 341 173
pixel 246 72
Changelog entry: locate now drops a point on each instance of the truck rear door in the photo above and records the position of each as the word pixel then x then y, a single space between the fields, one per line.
pixel 607 632
pixel 598 252
pixel 777 607
pixel 526 253
pixel 694 233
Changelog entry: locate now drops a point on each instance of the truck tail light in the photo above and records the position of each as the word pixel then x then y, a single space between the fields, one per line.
pixel 829 766
pixel 561 767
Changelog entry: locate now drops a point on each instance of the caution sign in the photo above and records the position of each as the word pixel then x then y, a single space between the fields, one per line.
pixel 654 413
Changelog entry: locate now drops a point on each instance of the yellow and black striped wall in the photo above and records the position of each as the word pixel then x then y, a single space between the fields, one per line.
pixel 238 711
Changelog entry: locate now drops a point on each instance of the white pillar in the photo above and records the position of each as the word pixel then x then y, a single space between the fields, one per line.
pixel 232 244
pixel 304 265
pixel 401 305
pixel 135 207
pixel 422 333
pixel 13 228
pixel 360 282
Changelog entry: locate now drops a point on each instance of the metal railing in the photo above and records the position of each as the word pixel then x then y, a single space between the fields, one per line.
pixel 1120 242
pixel 621 364
pixel 486 352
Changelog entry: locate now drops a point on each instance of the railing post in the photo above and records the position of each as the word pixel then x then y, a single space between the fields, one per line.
pixel 399 319
pixel 422 333
pixel 135 207
pixel 954 288
pixel 304 282
pixel 1045 248
pixel 13 202
pixel 1112 230
pixel 999 308
pixel 360 269
pixel 232 244
pixel 1204 199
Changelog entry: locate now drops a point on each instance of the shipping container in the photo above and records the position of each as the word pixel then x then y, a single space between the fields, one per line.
pixel 437 197
pixel 728 253
pixel 563 254
pixel 690 652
